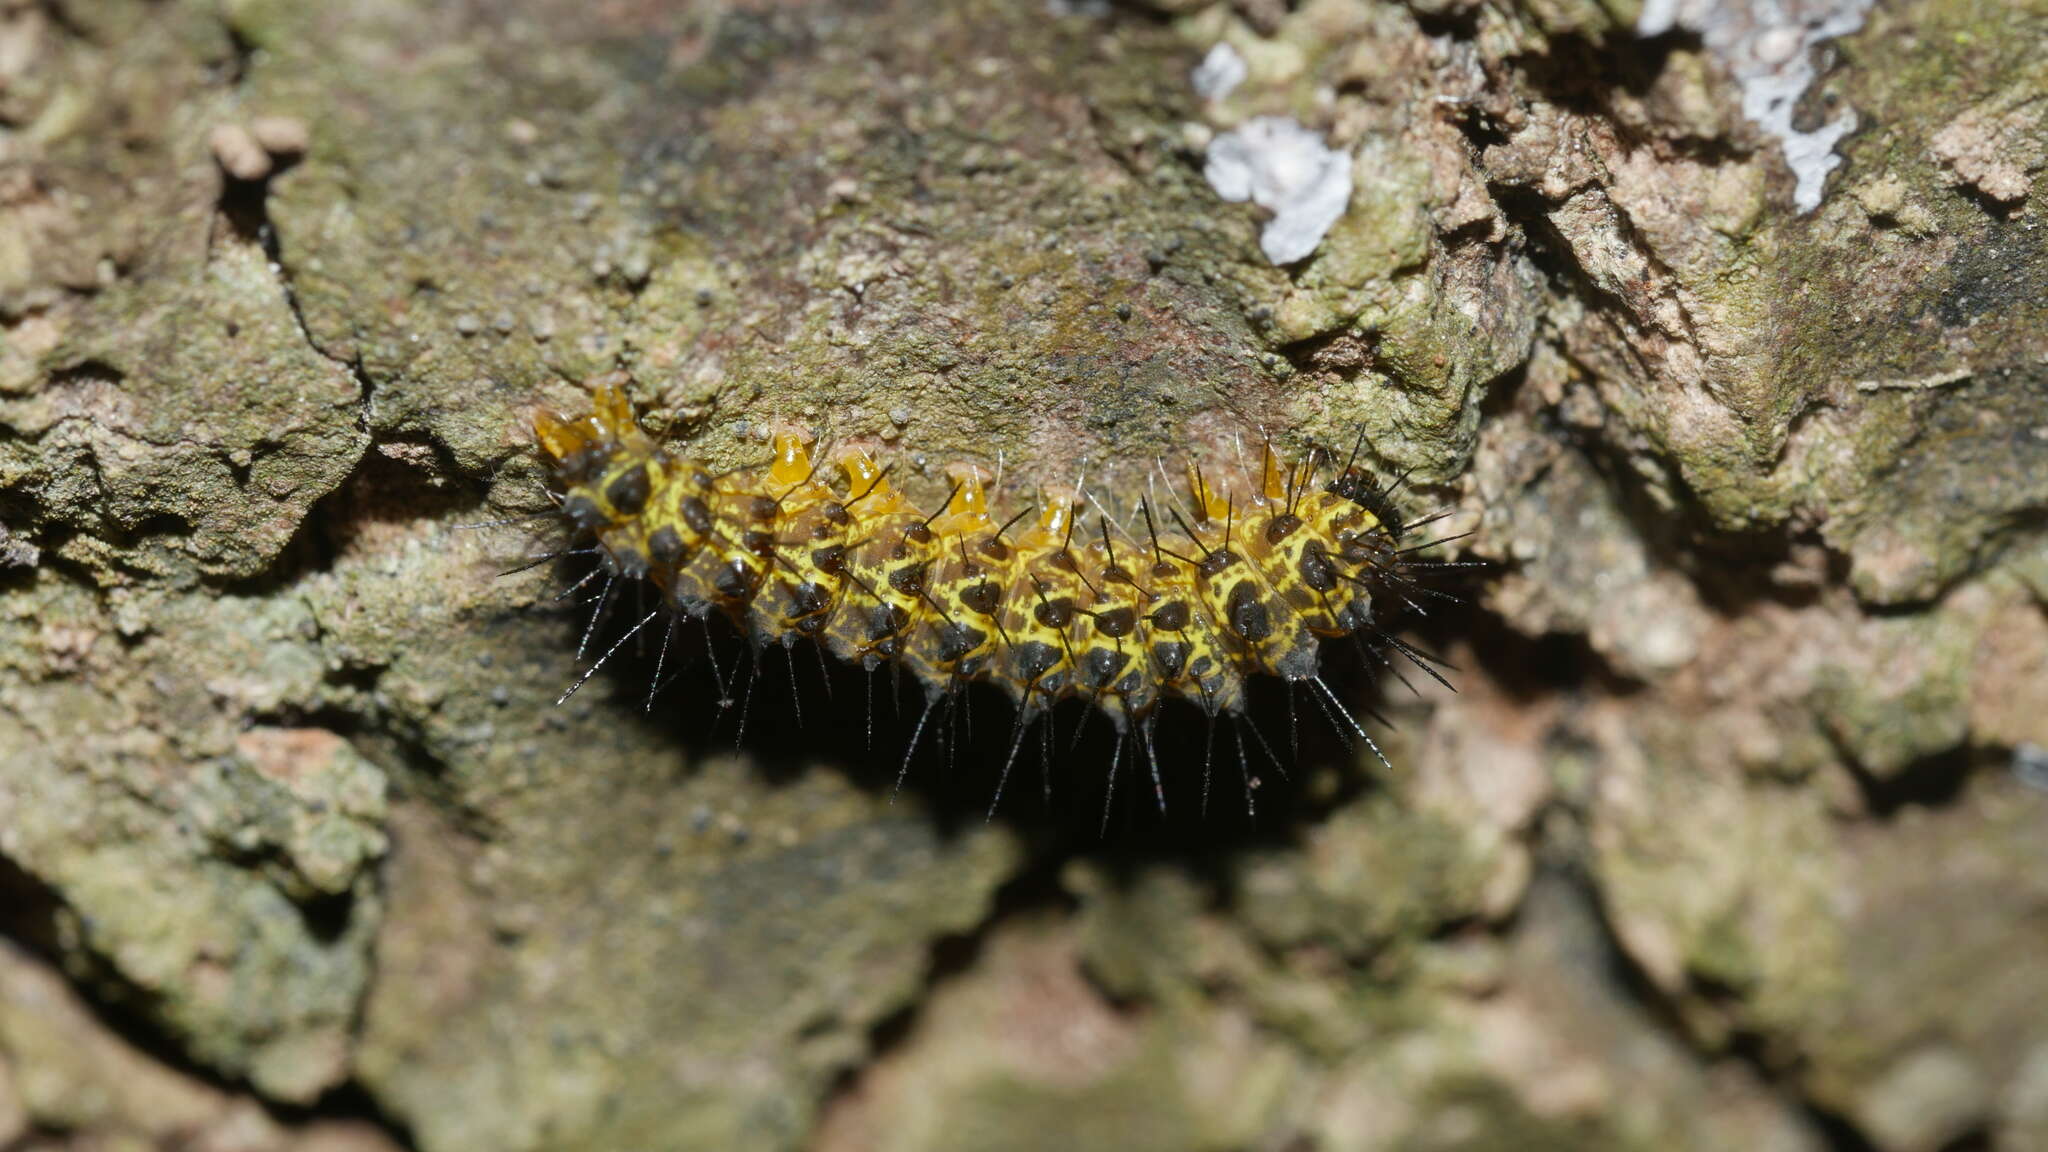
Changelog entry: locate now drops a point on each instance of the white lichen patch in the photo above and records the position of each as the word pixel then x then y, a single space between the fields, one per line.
pixel 1219 73
pixel 1287 169
pixel 1768 45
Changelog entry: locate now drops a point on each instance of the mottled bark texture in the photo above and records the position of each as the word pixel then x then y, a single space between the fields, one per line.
pixel 1732 837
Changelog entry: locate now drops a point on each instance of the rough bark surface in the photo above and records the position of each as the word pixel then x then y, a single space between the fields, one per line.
pixel 1734 835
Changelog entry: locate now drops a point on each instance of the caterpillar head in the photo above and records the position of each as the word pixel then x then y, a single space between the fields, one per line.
pixel 1365 490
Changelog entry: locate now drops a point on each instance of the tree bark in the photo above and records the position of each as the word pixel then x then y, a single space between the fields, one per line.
pixel 1721 329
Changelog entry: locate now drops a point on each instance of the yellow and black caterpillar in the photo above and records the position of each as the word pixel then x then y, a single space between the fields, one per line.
pixel 1243 584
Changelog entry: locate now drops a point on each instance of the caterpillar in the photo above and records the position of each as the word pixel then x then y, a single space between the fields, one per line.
pixel 1239 581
